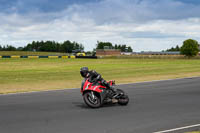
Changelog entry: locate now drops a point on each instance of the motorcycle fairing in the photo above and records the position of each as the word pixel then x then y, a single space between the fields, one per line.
pixel 89 86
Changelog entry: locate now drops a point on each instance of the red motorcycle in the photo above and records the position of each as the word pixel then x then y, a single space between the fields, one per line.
pixel 96 94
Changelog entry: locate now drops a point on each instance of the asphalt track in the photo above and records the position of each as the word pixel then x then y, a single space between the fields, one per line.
pixel 154 106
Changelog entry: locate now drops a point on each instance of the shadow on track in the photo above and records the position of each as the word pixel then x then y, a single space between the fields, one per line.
pixel 84 106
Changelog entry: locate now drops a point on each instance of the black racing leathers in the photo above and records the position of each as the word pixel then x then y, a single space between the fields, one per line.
pixel 94 77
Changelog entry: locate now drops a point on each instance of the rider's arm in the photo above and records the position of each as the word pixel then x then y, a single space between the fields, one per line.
pixel 82 84
pixel 94 76
pixel 99 78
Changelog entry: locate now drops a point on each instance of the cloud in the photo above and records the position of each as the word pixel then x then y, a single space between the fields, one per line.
pixel 144 24
pixel 107 11
pixel 135 11
pixel 45 6
pixel 150 34
pixel 193 2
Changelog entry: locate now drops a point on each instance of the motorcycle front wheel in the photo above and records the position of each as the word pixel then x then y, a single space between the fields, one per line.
pixel 92 99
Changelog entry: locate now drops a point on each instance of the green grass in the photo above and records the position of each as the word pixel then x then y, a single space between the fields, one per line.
pixel 194 132
pixel 3 53
pixel 21 75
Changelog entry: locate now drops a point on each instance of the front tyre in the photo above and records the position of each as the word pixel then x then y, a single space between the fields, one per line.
pixel 92 99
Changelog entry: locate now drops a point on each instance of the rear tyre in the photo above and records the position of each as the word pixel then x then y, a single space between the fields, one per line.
pixel 92 100
pixel 123 100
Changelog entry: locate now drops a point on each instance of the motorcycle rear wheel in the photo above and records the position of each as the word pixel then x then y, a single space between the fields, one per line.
pixel 92 102
pixel 123 100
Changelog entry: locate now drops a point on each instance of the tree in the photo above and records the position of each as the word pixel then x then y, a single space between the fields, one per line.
pixel 190 48
pixel 130 49
pixel 177 48
pixel 115 46
pixel 19 48
pixel 101 45
pixel 123 47
pixel 52 46
pixel 8 48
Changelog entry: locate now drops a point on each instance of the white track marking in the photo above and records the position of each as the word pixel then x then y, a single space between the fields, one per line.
pixel 176 129
pixel 79 88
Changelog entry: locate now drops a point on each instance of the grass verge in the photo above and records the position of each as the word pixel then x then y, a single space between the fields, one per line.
pixel 24 75
pixel 194 132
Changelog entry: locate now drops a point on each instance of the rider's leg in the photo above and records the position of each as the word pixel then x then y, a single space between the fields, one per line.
pixel 108 86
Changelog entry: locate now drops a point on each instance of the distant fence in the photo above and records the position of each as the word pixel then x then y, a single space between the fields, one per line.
pixel 87 57
pixel 51 57
pixel 156 53
pixel 101 52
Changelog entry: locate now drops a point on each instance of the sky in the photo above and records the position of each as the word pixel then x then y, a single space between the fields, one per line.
pixel 145 25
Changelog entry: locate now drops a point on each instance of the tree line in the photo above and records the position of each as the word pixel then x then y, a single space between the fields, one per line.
pixel 172 49
pixel 189 48
pixel 9 48
pixel 66 46
pixel 109 45
pixel 47 46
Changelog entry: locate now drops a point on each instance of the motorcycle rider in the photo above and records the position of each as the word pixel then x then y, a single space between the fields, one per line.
pixel 94 77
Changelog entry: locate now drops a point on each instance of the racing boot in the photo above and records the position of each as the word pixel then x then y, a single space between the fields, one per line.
pixel 116 94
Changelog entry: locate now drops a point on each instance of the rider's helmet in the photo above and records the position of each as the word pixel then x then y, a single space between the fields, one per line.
pixel 84 71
